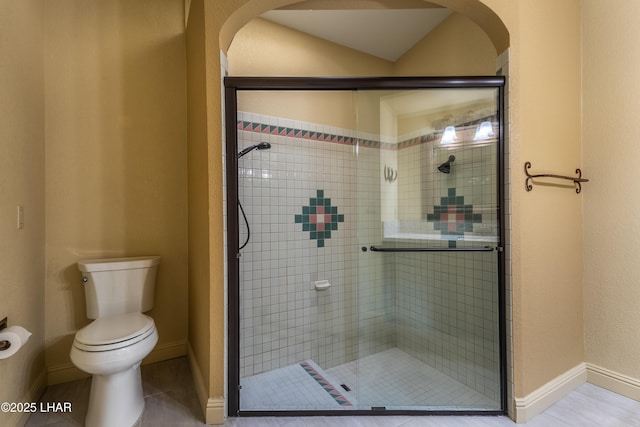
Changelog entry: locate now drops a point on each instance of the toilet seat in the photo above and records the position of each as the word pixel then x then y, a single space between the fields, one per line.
pixel 114 332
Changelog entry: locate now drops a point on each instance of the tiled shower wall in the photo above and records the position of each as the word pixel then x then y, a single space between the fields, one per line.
pixel 284 319
pixel 376 301
pixel 447 304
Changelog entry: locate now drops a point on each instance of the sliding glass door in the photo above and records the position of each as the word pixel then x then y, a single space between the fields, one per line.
pixel 428 234
pixel 365 237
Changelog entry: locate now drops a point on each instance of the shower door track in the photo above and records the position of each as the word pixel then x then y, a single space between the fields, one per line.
pixel 231 87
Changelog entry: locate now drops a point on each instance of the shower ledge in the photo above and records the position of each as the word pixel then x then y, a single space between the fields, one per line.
pixel 392 230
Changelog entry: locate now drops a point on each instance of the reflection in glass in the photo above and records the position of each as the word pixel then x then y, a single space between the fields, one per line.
pixel 449 135
pixel 484 131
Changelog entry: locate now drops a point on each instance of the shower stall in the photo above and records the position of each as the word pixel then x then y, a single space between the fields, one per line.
pixel 372 280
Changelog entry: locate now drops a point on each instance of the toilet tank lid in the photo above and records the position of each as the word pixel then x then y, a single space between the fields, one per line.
pixel 126 263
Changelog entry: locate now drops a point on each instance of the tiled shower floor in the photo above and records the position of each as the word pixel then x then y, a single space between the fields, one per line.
pixel 392 379
pixel 302 386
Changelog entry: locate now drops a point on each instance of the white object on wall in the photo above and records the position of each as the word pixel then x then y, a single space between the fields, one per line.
pixel 12 339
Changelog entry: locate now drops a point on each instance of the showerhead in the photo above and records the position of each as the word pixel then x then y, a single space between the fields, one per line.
pixel 446 166
pixel 261 146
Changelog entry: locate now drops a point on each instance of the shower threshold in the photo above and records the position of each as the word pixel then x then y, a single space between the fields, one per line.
pixel 391 380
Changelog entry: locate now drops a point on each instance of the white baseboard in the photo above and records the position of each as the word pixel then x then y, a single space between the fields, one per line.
pixel 19 419
pixel 613 381
pixel 198 380
pixel 66 372
pixel 212 408
pixel 215 411
pixel 539 400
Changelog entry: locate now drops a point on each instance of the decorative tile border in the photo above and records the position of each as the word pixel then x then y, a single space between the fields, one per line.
pixel 292 132
pixel 319 218
pixel 310 135
pixel 453 218
pixel 326 385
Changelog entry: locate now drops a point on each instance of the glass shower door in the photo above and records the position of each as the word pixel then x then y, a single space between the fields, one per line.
pixel 366 248
pixel 428 234
pixel 297 317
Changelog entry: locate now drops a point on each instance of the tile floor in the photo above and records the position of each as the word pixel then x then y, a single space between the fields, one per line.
pixel 292 388
pixel 171 401
pixel 395 379
pixel 391 378
pixel 170 398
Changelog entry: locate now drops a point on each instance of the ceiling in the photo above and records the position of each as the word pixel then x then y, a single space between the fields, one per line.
pixel 385 33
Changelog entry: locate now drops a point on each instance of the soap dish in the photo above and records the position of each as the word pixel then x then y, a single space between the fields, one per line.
pixel 322 285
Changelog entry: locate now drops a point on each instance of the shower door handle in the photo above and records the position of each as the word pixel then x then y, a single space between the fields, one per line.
pixel 382 249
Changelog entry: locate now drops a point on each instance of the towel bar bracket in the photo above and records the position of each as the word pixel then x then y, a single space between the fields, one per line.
pixel 576 180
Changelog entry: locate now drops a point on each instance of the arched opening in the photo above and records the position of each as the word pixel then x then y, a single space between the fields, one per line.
pixel 496 39
pixel 475 10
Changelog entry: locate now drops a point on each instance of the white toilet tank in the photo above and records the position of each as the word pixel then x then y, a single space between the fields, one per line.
pixel 115 286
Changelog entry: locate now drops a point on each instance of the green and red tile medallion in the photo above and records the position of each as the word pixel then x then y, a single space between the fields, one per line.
pixel 319 218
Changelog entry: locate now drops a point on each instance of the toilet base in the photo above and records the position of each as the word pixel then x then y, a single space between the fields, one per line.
pixel 116 399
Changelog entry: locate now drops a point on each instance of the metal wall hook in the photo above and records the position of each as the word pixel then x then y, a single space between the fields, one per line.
pixel 390 174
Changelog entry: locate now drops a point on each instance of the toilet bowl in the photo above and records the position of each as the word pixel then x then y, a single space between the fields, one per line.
pixel 112 347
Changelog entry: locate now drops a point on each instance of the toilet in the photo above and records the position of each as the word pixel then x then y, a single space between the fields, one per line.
pixel 117 292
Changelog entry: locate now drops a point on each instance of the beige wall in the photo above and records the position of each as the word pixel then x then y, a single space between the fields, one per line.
pixel 611 108
pixel 206 220
pixel 546 268
pixel 22 183
pixel 547 228
pixel 200 315
pixel 116 158
pixel 263 48
pixel 456 46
